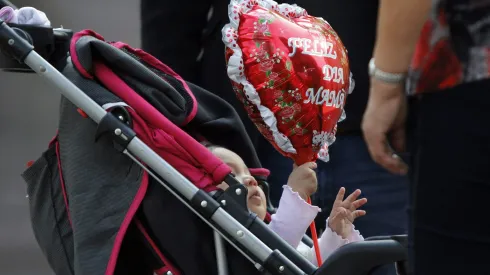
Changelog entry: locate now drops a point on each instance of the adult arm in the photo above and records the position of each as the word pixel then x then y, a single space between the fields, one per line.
pixel 399 25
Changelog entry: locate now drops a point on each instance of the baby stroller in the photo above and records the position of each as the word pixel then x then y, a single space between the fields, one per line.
pixel 126 188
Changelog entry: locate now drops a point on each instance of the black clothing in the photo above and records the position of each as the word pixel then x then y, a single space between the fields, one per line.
pixel 175 34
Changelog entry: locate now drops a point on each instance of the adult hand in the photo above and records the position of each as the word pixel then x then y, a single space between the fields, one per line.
pixel 383 125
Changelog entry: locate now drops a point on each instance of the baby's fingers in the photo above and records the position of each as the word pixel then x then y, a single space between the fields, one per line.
pixel 340 194
pixel 359 203
pixel 352 197
pixel 337 216
pixel 339 198
pixel 358 213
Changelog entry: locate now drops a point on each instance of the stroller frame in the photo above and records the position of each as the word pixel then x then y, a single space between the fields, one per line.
pixel 225 212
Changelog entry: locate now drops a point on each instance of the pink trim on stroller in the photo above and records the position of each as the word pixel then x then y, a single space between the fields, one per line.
pixel 167 264
pixel 261 172
pixel 54 142
pixel 178 148
pixel 164 68
pixel 143 55
pixel 62 181
pixel 111 266
pixel 73 51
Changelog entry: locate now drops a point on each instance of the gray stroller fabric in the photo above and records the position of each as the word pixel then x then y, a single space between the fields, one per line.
pixel 49 216
pixel 101 182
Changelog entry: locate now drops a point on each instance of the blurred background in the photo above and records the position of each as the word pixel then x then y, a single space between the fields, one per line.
pixel 28 119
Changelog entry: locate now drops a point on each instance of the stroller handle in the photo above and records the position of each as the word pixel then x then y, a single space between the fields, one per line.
pixel 14 45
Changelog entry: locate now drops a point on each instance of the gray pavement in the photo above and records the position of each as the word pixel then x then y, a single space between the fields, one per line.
pixel 28 118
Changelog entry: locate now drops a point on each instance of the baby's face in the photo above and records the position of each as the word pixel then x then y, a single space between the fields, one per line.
pixel 256 201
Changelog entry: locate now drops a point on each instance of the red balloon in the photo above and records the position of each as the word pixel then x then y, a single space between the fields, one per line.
pixel 291 72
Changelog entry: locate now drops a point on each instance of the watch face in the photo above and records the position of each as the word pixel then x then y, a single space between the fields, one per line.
pixel 371 67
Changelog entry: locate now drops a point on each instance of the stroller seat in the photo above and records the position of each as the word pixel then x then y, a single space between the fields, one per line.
pixel 125 187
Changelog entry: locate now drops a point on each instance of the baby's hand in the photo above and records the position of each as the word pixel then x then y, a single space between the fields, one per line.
pixel 303 180
pixel 344 212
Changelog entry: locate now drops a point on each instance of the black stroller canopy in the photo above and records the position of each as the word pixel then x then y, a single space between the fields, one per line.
pixel 215 119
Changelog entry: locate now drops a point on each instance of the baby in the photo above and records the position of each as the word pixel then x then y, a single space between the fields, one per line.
pixel 294 215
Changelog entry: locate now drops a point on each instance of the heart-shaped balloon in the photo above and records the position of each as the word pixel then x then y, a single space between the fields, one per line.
pixel 291 72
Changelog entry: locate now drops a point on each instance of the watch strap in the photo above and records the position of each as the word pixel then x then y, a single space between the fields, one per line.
pixel 378 74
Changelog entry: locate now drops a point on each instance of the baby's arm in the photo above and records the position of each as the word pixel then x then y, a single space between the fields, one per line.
pixel 340 228
pixel 292 219
pixel 293 216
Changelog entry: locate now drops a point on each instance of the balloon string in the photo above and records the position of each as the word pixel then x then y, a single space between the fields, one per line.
pixel 314 237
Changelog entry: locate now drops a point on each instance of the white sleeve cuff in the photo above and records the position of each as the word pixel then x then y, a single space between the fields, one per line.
pixel 293 216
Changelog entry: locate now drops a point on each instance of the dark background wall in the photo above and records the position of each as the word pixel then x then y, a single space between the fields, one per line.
pixel 28 118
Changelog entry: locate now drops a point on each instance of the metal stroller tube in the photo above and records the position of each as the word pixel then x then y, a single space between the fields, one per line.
pixel 209 210
pixel 220 254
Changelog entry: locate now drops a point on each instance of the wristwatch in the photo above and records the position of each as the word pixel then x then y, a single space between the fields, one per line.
pixel 385 76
